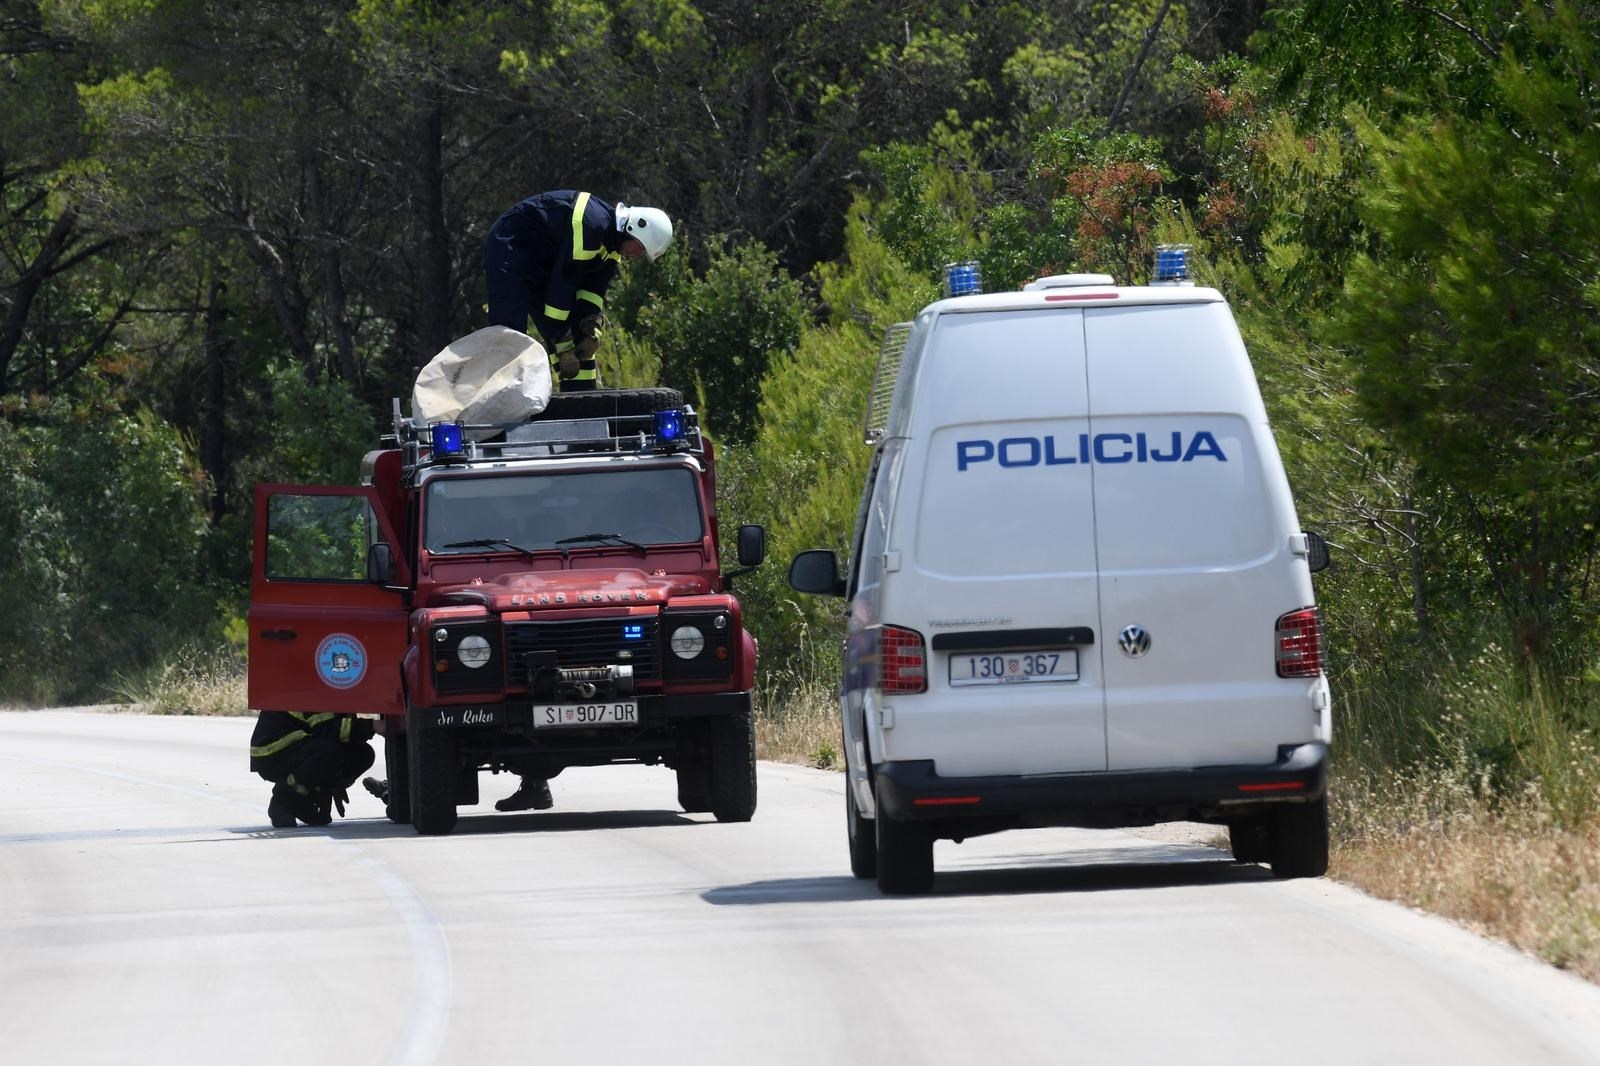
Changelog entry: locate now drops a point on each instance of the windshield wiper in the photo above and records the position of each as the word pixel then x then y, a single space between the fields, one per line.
pixel 596 538
pixel 490 542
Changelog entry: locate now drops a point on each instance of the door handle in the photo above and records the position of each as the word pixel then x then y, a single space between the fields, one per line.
pixel 278 634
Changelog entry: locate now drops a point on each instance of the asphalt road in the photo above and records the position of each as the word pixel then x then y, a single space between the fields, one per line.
pixel 148 913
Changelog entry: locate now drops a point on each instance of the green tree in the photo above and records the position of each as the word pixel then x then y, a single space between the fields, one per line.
pixel 1474 322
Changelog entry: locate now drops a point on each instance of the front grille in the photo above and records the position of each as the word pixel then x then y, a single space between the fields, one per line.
pixel 591 642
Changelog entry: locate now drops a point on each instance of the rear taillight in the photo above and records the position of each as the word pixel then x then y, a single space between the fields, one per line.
pixel 1299 643
pixel 902 663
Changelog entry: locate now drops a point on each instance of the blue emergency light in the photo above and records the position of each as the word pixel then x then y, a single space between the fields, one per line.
pixel 962 279
pixel 1172 262
pixel 446 439
pixel 669 425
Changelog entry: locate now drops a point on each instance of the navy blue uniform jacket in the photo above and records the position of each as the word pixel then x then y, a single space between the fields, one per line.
pixel 551 258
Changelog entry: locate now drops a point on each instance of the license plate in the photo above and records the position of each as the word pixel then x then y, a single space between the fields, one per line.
pixel 1014 667
pixel 574 715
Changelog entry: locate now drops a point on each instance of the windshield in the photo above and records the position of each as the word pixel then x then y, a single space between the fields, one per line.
pixel 508 512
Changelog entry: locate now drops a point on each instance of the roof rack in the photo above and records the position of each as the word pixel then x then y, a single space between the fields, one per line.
pixel 883 379
pixel 606 435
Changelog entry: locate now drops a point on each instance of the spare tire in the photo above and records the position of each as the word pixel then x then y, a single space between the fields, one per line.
pixel 611 403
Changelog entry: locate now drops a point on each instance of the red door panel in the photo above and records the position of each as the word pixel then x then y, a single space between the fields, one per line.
pixel 322 637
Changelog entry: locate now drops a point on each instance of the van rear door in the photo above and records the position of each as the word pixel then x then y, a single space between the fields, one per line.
pixel 1192 523
pixel 995 520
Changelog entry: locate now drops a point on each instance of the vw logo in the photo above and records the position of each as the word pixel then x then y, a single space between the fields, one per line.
pixel 1134 641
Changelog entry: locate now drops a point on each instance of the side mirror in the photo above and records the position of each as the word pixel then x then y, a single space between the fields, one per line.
pixel 816 572
pixel 380 564
pixel 1316 551
pixel 752 545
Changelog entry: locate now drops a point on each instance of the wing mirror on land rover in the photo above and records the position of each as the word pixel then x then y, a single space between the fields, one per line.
pixel 816 572
pixel 380 564
pixel 1316 551
pixel 752 549
pixel 752 545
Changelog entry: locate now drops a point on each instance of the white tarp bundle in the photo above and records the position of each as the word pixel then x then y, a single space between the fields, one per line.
pixel 494 375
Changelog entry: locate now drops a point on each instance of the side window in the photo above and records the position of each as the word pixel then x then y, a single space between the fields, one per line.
pixel 319 538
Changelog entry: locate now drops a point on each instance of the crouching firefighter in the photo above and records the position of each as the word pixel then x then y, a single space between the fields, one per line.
pixel 311 759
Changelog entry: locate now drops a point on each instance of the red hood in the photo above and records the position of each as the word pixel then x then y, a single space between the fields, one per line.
pixel 572 588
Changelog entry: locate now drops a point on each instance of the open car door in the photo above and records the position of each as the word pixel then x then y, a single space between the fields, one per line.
pixel 328 606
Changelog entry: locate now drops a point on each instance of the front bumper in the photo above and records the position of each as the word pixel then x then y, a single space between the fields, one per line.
pixel 517 714
pixel 912 791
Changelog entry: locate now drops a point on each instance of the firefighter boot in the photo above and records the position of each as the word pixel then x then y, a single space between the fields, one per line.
pixel 532 795
pixel 282 806
pixel 315 809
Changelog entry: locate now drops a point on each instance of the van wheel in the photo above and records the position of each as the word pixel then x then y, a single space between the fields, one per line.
pixel 1251 838
pixel 1300 839
pixel 398 772
pixel 905 856
pixel 733 767
pixel 862 836
pixel 434 772
pixel 610 403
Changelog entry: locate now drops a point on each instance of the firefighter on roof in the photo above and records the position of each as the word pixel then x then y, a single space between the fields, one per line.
pixel 551 257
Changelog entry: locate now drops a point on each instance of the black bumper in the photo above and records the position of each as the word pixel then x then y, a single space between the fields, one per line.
pixel 911 791
pixel 654 709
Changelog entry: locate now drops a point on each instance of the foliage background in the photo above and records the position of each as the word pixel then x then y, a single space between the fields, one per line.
pixel 229 233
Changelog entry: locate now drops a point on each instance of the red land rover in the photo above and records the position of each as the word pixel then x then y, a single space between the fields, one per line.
pixel 521 597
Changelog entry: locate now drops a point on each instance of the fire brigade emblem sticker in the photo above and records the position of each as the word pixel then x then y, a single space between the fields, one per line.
pixel 341 661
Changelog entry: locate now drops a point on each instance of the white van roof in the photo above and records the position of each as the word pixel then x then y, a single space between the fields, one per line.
pixel 1081 290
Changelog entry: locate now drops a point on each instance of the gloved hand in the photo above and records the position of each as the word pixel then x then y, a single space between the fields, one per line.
pixel 588 332
pixel 566 359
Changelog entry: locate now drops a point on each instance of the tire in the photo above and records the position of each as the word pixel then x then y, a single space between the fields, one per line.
pixel 1300 839
pixel 610 403
pixel 1251 838
pixel 397 770
pixel 905 857
pixel 433 778
pixel 733 767
pixel 861 835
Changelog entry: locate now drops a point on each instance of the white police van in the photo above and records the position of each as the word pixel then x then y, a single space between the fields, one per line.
pixel 1079 594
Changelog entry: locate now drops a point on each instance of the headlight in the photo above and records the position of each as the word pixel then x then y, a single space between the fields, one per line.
pixel 687 642
pixel 473 652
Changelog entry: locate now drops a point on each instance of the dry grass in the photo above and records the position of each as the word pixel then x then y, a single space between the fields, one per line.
pixel 194 683
pixel 797 721
pixel 1506 867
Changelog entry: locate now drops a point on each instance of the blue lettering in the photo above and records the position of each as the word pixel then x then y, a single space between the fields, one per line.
pixel 973 451
pixel 1050 457
pixel 1204 444
pixel 1030 446
pixel 1104 447
pixel 1177 450
pixel 1100 455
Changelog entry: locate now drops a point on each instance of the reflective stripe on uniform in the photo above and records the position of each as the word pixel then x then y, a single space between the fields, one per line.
pixel 592 297
pixel 556 313
pixel 344 727
pixel 580 205
pixel 277 745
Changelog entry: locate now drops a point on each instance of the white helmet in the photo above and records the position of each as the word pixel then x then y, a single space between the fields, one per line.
pixel 650 226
